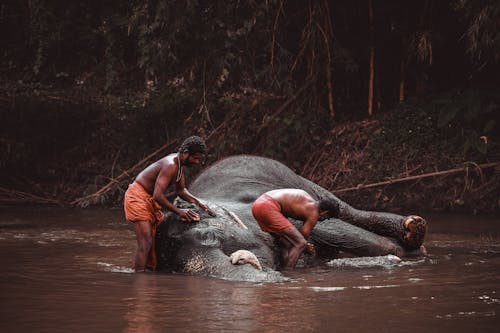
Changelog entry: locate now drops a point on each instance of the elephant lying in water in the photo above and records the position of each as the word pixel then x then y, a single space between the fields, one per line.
pixel 229 188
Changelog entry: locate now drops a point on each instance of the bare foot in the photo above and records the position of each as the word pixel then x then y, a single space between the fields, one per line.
pixel 310 249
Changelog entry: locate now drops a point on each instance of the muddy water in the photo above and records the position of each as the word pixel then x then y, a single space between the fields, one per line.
pixel 68 271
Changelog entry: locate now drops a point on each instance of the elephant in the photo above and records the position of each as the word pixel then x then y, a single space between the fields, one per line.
pixel 230 186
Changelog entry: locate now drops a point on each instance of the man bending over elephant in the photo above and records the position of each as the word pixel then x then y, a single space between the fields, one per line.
pixel 149 193
pixel 271 210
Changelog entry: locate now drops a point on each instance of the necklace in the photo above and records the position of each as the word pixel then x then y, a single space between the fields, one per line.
pixel 179 169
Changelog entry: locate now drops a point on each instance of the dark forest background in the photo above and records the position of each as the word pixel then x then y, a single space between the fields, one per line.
pixel 346 93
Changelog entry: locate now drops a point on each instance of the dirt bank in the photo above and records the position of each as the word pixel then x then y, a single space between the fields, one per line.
pixel 61 145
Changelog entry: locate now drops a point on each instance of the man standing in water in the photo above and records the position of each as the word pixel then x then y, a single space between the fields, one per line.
pixel 271 210
pixel 148 194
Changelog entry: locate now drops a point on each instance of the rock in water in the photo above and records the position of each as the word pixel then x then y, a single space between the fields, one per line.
pixel 386 261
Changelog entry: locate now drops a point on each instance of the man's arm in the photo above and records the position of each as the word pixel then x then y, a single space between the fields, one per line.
pixel 306 230
pixel 184 194
pixel 311 213
pixel 308 226
pixel 164 178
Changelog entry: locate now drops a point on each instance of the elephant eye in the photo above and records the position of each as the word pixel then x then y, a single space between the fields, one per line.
pixel 208 237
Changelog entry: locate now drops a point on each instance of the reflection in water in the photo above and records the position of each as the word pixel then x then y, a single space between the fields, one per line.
pixel 142 310
pixel 70 270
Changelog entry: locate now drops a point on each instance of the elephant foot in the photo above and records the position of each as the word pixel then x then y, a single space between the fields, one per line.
pixel 414 230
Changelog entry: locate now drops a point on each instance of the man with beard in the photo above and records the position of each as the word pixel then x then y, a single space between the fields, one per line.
pixel 271 210
pixel 150 193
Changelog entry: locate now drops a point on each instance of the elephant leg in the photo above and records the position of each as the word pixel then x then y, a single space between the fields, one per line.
pixel 337 234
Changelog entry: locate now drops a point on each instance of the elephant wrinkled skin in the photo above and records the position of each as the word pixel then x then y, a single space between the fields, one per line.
pixel 230 186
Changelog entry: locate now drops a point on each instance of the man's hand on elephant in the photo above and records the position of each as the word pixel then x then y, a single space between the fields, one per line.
pixel 188 215
pixel 310 249
pixel 207 209
pixel 203 206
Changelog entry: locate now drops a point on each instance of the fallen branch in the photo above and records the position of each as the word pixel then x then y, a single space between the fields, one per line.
pixel 425 175
pixel 91 197
pixel 13 196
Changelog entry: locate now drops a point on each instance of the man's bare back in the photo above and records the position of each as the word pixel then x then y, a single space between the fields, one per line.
pixel 272 210
pixel 295 203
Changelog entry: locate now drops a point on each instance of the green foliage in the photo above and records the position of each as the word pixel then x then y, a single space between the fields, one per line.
pixel 48 37
pixel 483 29
pixel 470 118
pixel 404 134
pixel 205 38
pixel 215 47
pixel 170 109
pixel 451 128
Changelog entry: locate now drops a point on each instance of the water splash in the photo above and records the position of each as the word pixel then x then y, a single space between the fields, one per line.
pixel 115 268
pixel 319 289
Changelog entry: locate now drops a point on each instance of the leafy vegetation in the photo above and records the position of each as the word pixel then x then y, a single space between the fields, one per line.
pixel 89 88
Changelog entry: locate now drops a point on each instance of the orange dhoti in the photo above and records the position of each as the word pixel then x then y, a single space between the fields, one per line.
pixel 267 213
pixel 139 205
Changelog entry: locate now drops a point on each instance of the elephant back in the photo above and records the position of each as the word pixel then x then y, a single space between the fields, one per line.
pixel 245 177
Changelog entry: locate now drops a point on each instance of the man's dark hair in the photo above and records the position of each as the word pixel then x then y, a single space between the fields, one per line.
pixel 193 144
pixel 330 205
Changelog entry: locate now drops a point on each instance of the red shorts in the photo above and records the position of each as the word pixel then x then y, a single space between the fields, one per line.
pixel 267 213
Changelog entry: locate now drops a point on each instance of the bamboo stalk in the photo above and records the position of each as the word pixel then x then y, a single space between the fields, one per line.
pixel 372 60
pixel 329 64
pixel 402 77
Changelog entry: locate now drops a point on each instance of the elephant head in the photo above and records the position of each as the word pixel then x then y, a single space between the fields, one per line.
pixel 221 246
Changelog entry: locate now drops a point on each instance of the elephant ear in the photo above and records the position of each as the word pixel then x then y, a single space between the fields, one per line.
pixel 215 263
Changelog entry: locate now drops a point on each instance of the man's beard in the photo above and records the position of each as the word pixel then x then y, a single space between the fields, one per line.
pixel 187 163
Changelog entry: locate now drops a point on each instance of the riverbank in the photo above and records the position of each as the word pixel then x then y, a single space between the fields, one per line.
pixel 76 146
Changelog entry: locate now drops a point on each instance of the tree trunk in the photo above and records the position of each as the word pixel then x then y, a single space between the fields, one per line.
pixel 329 35
pixel 402 78
pixel 372 60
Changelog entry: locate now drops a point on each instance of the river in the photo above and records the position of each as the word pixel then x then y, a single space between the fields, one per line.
pixel 68 270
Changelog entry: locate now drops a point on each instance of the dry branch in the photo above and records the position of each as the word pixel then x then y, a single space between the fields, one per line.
pixel 425 175
pixel 83 201
pixel 13 196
